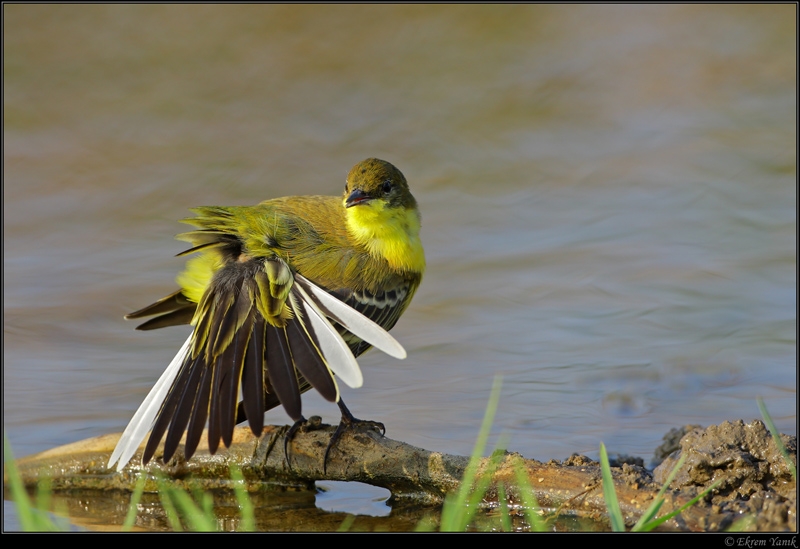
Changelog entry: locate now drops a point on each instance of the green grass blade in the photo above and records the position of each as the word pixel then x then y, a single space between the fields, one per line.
pixel 346 524
pixel 248 516
pixel 31 518
pixel 202 504
pixel 25 510
pixel 469 507
pixel 427 524
pixel 44 493
pixel 165 494
pixel 610 494
pixel 505 515
pixel 198 517
pixel 133 506
pixel 529 500
pixel 777 437
pixel 744 524
pixel 460 507
pixel 654 523
pixel 651 511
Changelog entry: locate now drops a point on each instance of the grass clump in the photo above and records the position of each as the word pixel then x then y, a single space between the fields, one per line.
pixel 461 506
pixel 648 521
pixel 34 515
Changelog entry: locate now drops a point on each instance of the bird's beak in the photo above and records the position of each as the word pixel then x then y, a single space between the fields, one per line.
pixel 357 197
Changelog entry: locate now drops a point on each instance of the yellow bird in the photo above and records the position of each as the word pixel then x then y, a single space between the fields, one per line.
pixel 282 296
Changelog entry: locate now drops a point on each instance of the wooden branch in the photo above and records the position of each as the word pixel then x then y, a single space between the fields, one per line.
pixel 410 473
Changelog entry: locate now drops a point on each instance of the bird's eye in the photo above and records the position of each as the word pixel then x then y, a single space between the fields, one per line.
pixel 387 186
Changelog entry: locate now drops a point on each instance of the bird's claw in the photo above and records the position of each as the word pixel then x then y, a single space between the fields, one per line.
pixel 349 422
pixel 311 424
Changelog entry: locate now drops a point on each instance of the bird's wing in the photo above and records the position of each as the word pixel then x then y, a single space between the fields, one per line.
pixel 383 308
pixel 259 327
pixel 173 310
pixel 357 322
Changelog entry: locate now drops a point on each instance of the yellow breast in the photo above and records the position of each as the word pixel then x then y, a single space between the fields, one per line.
pixel 390 233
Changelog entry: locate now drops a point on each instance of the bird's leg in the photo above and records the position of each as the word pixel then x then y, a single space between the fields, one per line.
pixel 348 421
pixel 289 435
pixel 314 422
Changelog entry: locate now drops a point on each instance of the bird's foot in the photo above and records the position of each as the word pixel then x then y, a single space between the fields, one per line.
pixel 311 424
pixel 349 422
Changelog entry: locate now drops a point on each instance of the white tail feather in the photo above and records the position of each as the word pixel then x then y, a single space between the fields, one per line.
pixel 142 420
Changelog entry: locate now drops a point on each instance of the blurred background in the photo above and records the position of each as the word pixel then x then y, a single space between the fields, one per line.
pixel 609 202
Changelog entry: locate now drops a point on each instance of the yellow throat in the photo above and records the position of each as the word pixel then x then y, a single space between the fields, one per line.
pixel 390 233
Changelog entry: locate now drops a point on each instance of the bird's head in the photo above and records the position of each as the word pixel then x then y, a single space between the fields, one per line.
pixel 382 215
pixel 377 185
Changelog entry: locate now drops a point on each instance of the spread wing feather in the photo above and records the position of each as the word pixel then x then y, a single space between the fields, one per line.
pixel 253 404
pixel 281 372
pixel 309 359
pixel 336 351
pixel 258 327
pixel 185 402
pixel 351 319
pixel 199 413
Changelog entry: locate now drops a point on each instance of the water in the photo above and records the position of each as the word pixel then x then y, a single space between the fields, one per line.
pixel 609 203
